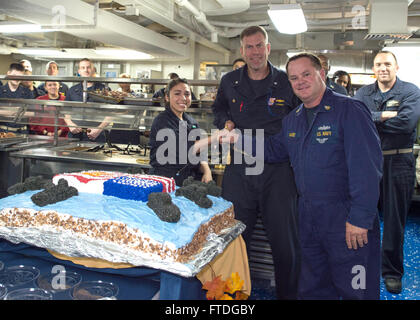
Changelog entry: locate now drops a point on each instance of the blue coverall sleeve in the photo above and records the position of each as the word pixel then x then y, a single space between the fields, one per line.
pixel 376 116
pixel 407 117
pixel 364 162
pixel 220 107
pixel 361 96
pixel 68 97
pixel 275 149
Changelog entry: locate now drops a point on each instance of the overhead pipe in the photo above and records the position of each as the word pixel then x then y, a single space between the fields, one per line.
pixel 314 23
pixel 167 20
pixel 200 16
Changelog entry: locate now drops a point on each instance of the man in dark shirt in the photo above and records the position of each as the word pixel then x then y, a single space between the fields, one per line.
pixel 30 85
pixel 85 130
pixel 395 108
pixel 238 63
pixel 13 89
pixel 27 65
pixel 325 62
pixel 258 96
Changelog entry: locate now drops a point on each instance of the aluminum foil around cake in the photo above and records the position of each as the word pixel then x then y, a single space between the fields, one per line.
pixel 69 244
pixel 215 245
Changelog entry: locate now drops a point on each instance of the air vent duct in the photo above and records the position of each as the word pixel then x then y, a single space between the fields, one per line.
pixel 387 36
pixel 388 20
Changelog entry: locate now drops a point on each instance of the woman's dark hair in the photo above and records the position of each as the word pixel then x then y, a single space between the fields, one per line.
pixel 341 73
pixel 172 84
pixel 16 67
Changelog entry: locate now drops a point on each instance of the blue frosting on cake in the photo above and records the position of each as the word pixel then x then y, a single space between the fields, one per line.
pixel 131 188
pixel 134 214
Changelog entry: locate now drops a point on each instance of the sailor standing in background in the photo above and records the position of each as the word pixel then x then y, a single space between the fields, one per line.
pixel 27 65
pixel 325 62
pixel 52 70
pixel 395 107
pixel 94 131
pixel 13 89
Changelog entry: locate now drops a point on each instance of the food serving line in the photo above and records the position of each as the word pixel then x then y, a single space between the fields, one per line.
pixel 12 169
pixel 129 114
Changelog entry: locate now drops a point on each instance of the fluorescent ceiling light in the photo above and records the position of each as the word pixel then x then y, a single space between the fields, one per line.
pixel 292 52
pixel 40 52
pixel 288 18
pixel 21 28
pixel 123 54
pixel 98 54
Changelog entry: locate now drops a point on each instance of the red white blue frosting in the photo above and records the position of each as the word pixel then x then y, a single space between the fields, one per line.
pixel 117 184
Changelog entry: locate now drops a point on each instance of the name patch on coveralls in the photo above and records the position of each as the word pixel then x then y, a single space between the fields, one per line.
pixel 293 135
pixel 324 134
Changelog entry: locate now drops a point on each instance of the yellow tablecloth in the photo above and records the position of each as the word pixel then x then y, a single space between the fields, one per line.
pixel 233 259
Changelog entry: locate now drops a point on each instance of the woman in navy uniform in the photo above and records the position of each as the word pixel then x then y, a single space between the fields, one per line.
pixel 178 125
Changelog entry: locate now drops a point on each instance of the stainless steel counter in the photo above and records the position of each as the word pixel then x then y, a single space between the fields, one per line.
pixel 12 170
pixel 48 161
pixel 32 141
pixel 77 152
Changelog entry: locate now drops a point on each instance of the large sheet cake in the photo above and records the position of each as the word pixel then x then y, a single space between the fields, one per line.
pixel 118 228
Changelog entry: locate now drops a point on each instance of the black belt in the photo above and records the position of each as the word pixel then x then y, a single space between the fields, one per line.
pixel 396 151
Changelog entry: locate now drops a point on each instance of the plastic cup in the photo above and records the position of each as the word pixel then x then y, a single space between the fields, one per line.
pixel 29 294
pixel 18 276
pixel 60 285
pixel 3 291
pixel 95 290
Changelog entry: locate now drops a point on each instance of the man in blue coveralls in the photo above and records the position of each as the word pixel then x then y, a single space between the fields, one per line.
pixel 335 153
pixel 395 107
